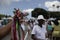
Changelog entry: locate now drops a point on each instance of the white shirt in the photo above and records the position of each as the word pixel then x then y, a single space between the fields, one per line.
pixel 39 32
pixel 24 27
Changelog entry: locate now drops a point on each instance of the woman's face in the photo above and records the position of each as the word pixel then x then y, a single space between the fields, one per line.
pixel 41 21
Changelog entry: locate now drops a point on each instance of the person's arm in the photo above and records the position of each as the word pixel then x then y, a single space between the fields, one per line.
pixel 33 34
pixel 33 37
pixel 5 30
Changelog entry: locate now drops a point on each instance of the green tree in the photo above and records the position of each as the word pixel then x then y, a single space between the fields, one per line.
pixel 2 15
pixel 40 11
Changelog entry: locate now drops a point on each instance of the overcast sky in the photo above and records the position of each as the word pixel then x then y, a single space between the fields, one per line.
pixel 7 6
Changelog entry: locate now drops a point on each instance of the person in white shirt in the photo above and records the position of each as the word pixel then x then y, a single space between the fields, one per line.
pixel 39 31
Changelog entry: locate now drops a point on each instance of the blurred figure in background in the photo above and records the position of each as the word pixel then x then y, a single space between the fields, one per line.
pixel 56 32
pixel 49 30
pixel 31 22
pixel 1 23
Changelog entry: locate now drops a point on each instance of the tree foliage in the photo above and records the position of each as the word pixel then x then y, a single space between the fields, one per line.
pixel 55 14
pixel 39 11
pixel 46 14
pixel 2 15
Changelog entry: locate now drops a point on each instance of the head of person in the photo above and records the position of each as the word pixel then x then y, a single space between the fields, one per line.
pixel 56 22
pixel 49 22
pixel 41 19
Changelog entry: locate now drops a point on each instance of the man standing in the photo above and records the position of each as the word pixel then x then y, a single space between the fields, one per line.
pixel 39 31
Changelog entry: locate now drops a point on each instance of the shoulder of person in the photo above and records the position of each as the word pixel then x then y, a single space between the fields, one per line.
pixel 35 26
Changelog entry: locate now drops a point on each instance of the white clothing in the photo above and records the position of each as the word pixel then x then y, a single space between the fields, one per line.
pixel 39 32
pixel 24 27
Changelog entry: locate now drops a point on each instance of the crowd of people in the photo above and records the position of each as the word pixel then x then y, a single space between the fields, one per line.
pixel 40 30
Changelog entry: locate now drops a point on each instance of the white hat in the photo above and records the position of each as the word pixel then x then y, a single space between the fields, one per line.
pixel 40 17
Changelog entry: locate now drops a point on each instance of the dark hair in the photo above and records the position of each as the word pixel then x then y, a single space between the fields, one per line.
pixel 56 22
pixel 49 23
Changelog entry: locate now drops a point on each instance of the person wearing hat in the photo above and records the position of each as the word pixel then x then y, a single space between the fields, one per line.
pixel 39 31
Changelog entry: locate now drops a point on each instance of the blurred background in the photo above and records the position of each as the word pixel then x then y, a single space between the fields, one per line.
pixel 51 6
